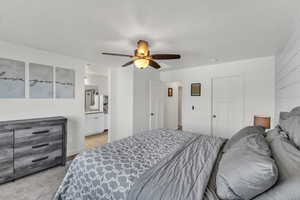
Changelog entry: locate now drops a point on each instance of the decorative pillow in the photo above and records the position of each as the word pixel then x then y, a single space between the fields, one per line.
pixel 292 127
pixel 249 130
pixel 284 115
pixel 246 169
pixel 287 158
pixel 287 190
pixel 295 111
pixel 275 133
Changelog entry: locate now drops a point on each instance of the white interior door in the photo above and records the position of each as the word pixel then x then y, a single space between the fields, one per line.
pixel 227 105
pixel 155 106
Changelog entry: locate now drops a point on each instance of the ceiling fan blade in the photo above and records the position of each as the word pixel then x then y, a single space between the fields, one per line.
pixel 129 63
pixel 165 56
pixel 154 64
pixel 117 54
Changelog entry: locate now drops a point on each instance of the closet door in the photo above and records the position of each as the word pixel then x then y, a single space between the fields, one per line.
pixel 155 106
pixel 6 155
pixel 227 105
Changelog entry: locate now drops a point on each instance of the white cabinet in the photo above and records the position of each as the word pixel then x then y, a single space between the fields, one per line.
pixel 94 123
pixel 106 121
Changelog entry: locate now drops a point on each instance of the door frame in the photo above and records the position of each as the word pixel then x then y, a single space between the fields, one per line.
pixel 212 99
pixel 180 83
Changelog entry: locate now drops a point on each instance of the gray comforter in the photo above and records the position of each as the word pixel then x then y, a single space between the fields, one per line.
pixel 114 171
pixel 182 176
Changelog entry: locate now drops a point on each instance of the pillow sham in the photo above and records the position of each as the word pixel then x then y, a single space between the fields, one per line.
pixel 246 169
pixel 284 115
pixel 295 111
pixel 249 130
pixel 287 158
pixel 287 190
pixel 292 127
pixel 275 133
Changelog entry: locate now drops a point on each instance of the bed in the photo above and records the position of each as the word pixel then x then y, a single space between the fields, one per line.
pixel 168 164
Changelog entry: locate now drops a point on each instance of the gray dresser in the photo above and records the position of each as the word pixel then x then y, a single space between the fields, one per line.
pixel 29 146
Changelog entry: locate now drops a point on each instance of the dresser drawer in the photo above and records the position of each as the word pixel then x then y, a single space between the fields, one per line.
pixel 6 156
pixel 36 135
pixel 36 132
pixel 6 139
pixel 6 172
pixel 46 147
pixel 6 165
pixel 34 163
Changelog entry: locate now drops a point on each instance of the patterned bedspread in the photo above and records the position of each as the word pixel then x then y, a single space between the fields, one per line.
pixel 110 171
pixel 184 175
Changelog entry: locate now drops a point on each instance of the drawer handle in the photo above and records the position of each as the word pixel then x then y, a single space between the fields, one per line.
pixel 40 132
pixel 40 159
pixel 40 146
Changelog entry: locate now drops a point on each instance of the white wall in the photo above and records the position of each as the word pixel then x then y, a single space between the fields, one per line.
pixel 98 80
pixel 288 75
pixel 120 84
pixel 73 109
pixel 141 86
pixel 129 100
pixel 258 77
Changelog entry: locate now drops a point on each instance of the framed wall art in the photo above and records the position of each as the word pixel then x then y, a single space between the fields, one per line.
pixel 40 81
pixel 196 89
pixel 170 92
pixel 65 83
pixel 12 78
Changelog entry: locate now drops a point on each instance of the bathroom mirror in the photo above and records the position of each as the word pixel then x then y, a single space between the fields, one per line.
pixel 92 99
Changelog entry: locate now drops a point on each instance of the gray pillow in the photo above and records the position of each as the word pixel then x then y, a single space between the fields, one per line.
pixel 284 115
pixel 287 158
pixel 295 111
pixel 246 169
pixel 275 133
pixel 287 190
pixel 292 127
pixel 249 130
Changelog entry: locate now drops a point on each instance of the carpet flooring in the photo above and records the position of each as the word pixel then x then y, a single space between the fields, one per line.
pixel 40 186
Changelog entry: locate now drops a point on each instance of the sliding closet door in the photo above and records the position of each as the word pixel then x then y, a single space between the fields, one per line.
pixel 227 105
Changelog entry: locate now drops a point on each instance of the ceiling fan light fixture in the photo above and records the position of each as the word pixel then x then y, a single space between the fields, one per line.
pixel 141 63
pixel 142 57
pixel 143 48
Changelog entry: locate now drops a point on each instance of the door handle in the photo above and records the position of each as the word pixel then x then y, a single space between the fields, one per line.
pixel 214 116
pixel 152 114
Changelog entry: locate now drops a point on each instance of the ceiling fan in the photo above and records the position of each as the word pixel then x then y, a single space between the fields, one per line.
pixel 142 57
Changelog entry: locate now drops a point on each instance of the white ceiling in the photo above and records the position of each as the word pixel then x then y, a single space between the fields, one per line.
pixel 197 29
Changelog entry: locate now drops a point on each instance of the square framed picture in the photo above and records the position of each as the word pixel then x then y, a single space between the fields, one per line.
pixel 12 78
pixel 41 81
pixel 170 92
pixel 65 83
pixel 196 89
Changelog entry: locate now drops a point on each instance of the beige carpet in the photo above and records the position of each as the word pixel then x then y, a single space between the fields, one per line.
pixel 40 186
